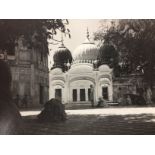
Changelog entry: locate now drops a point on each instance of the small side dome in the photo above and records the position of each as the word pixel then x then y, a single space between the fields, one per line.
pixel 61 57
pixel 104 68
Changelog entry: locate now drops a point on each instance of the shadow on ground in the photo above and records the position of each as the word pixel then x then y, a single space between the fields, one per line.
pixel 142 124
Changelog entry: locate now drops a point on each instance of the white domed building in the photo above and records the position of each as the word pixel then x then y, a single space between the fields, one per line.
pixel 73 84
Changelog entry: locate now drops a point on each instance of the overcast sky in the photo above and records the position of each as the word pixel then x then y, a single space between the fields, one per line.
pixel 78 31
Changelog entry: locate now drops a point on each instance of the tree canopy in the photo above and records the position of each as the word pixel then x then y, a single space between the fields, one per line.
pixel 135 42
pixel 109 55
pixel 35 32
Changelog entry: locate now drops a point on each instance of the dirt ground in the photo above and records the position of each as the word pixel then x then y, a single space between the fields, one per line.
pixel 103 121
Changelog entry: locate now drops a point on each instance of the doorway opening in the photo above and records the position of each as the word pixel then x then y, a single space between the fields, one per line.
pixel 89 93
pixel 82 95
pixel 58 94
pixel 74 95
pixel 41 97
pixel 105 93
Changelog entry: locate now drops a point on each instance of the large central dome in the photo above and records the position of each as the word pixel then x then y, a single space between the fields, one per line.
pixel 86 52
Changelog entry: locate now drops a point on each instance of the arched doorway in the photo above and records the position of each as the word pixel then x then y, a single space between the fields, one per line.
pixel 80 90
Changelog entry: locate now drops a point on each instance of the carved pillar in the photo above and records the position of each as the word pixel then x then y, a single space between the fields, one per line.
pixel 78 95
pixel 86 94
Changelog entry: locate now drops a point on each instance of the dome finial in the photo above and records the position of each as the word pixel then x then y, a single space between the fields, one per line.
pixel 87 33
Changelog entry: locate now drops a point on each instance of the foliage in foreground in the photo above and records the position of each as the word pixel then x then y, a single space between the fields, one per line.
pixel 35 32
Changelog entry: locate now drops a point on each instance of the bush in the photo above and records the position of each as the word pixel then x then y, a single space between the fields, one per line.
pixel 54 111
pixel 137 99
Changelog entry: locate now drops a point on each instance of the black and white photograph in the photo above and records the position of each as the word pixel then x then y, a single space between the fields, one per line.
pixel 77 76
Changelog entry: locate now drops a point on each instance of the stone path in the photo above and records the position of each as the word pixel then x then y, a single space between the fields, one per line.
pixel 104 121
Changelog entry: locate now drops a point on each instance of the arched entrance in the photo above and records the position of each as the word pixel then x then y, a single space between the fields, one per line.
pixel 80 90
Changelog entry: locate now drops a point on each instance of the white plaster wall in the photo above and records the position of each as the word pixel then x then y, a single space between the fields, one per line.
pixel 57 84
pixel 105 82
pixel 81 76
pixel 80 84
